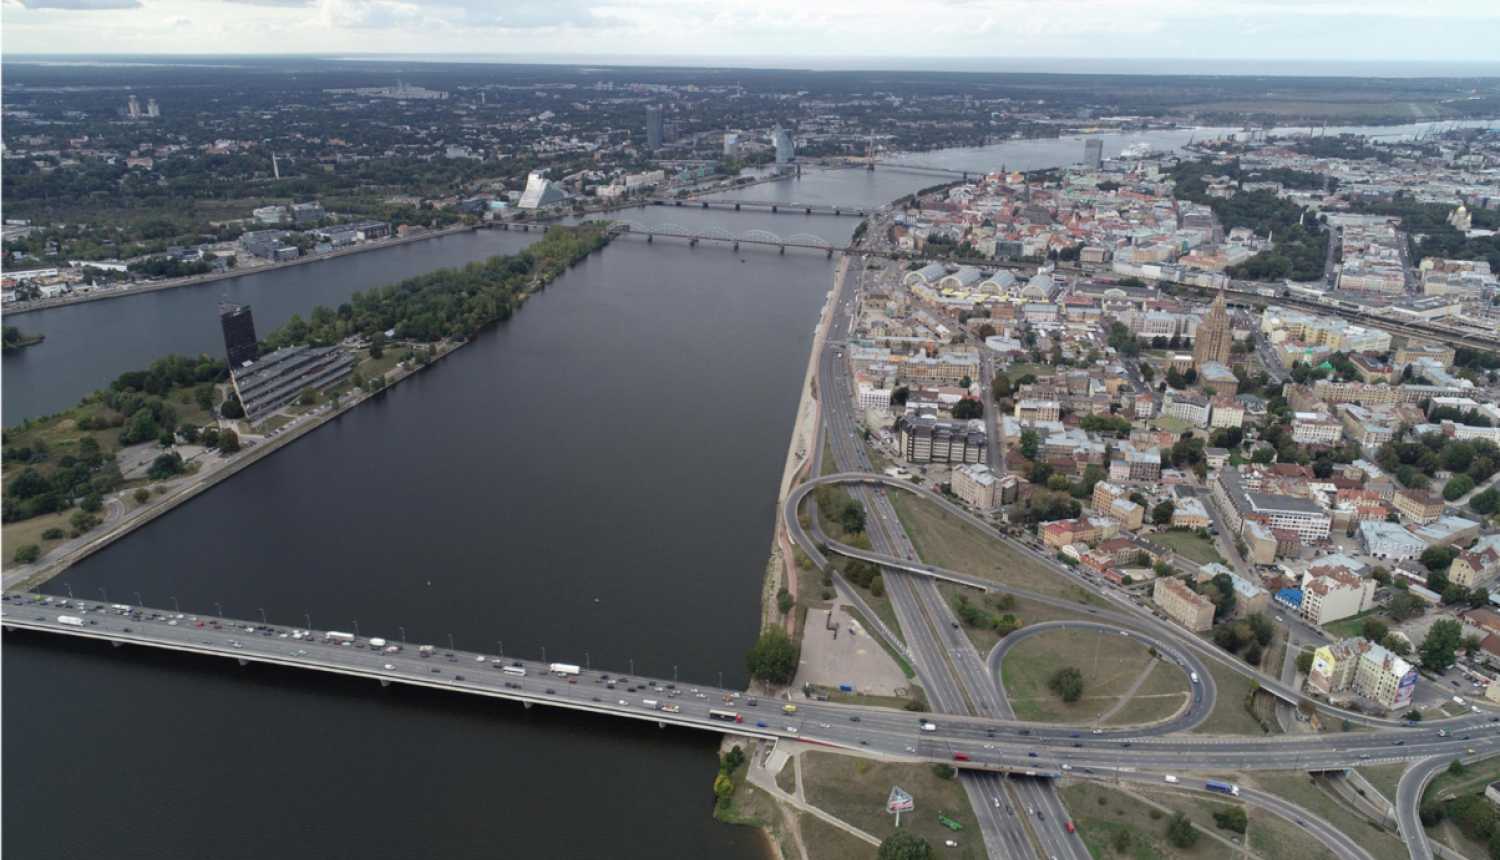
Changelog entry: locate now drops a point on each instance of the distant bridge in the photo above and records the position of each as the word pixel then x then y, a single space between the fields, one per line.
pixel 805 208
pixel 720 235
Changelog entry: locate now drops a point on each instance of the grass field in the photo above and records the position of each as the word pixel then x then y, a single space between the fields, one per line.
pixel 1476 776
pixel 1030 664
pixel 834 784
pixel 1170 424
pixel 941 539
pixel 1165 691
pixel 1188 545
pixel 822 839
pixel 1299 789
pixel 1229 716
pixel 1347 627
pixel 1384 777
pixel 1269 835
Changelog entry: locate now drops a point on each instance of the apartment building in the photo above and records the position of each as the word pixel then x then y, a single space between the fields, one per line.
pixel 1365 668
pixel 1227 412
pixel 1331 592
pixel 976 485
pixel 1238 504
pixel 1114 502
pixel 1190 513
pixel 1315 428
pixel 924 439
pixel 1030 409
pixel 1418 505
pixel 1183 605
pixel 1389 541
pixel 1186 407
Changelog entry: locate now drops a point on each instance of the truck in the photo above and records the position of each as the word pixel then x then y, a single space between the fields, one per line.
pixel 564 669
pixel 671 709
pixel 70 620
pixel 649 704
pixel 376 642
pixel 341 638
pixel 1222 787
pixel 427 650
pixel 929 727
pixel 392 649
pixel 1194 676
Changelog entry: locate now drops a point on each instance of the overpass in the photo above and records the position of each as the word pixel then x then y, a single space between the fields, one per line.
pixel 720 235
pixel 1128 615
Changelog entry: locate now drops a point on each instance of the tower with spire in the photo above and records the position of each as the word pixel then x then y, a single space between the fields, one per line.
pixel 1214 336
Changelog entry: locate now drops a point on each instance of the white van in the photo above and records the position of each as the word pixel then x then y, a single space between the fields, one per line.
pixel 1172 779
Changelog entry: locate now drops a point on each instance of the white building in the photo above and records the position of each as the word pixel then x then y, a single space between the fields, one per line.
pixel 1389 540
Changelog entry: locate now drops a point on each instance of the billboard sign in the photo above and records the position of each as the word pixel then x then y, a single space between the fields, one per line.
pixel 899 801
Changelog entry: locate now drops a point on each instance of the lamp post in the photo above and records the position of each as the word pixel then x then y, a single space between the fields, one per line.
pixel 403 634
pixel 138 600
pixel 175 607
pixel 450 641
pixel 501 643
pixel 70 590
pixel 586 662
pixel 674 674
pixel 632 665
pixel 263 616
pixel 356 629
pixel 544 653
pixel 309 622
pixel 220 608
pixel 105 593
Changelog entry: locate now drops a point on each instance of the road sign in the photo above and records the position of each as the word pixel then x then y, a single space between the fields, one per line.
pixel 899 801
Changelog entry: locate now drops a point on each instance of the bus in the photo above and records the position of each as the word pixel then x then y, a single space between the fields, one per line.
pixel 726 716
pixel 949 823
pixel 518 671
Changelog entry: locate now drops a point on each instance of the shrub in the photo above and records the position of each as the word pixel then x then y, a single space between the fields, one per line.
pixel 53 533
pixel 27 554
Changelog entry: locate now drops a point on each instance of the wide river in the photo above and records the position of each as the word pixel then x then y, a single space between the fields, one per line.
pixel 596 477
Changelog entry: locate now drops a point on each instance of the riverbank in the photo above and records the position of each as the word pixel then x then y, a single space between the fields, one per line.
pixel 195 280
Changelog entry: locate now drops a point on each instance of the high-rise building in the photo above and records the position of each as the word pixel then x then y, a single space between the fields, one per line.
pixel 731 144
pixel 134 107
pixel 786 151
pixel 1093 152
pixel 152 111
pixel 656 132
pixel 239 334
pixel 1214 337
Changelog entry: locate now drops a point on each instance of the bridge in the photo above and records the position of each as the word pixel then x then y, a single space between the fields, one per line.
pixel 986 743
pixel 722 236
pixel 805 208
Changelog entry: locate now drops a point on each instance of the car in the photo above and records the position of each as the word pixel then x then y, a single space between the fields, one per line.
pixel 1031 755
pixel 996 801
pixel 1072 734
pixel 1125 743
pixel 792 729
pixel 1398 743
pixel 624 701
pixel 390 667
pixel 1030 811
pixel 436 671
pixel 127 629
pixel 551 692
pixel 854 719
pixel 1077 744
pixel 1088 770
pixel 1071 828
pixel 596 698
pixel 1024 732
pixel 1301 823
pixel 1009 810
pixel 1042 816
pixel 1098 731
pixel 460 678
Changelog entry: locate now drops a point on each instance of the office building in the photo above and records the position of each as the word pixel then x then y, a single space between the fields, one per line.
pixel 731 145
pixel 1214 335
pixel 153 111
pixel 924 439
pixel 786 151
pixel 656 133
pixel 1238 505
pixel 273 382
pixel 1093 153
pixel 133 107
pixel 540 193
pixel 240 344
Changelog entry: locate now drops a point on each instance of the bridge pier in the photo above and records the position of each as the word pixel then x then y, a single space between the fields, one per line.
pixel 830 253
pixel 661 724
pixel 783 249
pixel 527 705
pixel 678 202
pixel 385 682
pixel 773 207
pixel 693 242
pixel 736 207
pixel 837 212
pixel 648 238
pixel 705 205
pixel 243 661
pixel 115 642
pixel 809 210
pixel 736 245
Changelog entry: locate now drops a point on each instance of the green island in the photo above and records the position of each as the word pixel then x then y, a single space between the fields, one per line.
pixel 14 338
pixel 58 469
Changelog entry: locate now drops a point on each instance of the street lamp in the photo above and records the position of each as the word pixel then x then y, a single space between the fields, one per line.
pixel 586 663
pixel 450 641
pixel 501 643
pixel 309 623
pixel 219 608
pixel 105 593
pixel 356 629
pixel 263 616
pixel 403 634
pixel 175 607
pixel 138 600
pixel 544 653
pixel 70 590
pixel 632 665
pixel 674 674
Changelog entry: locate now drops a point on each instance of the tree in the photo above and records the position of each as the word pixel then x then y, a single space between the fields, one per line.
pixel 1439 648
pixel 165 466
pixel 1067 682
pixel 774 657
pixel 91 502
pixel 1121 839
pixel 1404 606
pixel 944 771
pixel 229 441
pixel 308 397
pixel 141 496
pixel 1374 629
pixel 1028 444
pixel 82 521
pixel 1431 813
pixel 1456 768
pixel 27 553
pixel 1305 662
pixel 784 601
pixel 1233 818
pixel 1487 502
pixel 231 408
pixel 1457 487
pixel 377 345
pixel 852 517
pixel 1180 832
pixel 1001 386
pixel 1162 513
pixel 204 396
pixel 903 845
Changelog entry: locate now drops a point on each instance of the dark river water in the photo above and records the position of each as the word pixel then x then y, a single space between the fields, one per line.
pixel 597 477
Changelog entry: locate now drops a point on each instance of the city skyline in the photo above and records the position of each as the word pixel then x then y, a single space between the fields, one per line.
pixel 1383 31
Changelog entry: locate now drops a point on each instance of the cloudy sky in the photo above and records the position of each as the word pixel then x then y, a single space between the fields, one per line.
pixel 1371 30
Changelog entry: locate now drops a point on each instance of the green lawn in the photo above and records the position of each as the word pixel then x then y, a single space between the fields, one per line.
pixel 942 539
pixel 1170 424
pixel 1163 694
pixel 1476 776
pixel 1029 666
pixel 1385 777
pixel 1189 545
pixel 1351 626
pixel 1268 834
pixel 834 784
pixel 822 839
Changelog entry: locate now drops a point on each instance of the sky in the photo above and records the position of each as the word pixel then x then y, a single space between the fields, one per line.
pixel 1290 30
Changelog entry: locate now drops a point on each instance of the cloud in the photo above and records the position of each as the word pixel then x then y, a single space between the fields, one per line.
pixel 81 5
pixel 272 2
pixel 453 14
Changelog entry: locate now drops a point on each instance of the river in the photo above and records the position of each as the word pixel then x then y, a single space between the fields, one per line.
pixel 595 477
